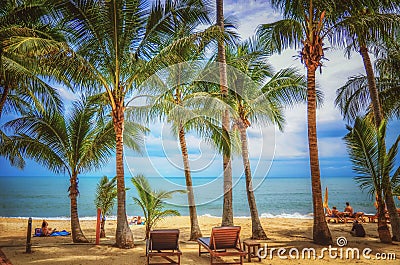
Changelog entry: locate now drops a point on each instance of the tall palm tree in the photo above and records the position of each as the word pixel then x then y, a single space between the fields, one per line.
pixel 114 45
pixel 72 145
pixel 367 150
pixel 303 26
pixel 106 194
pixel 227 210
pixel 152 202
pixel 366 23
pixel 20 85
pixel 258 95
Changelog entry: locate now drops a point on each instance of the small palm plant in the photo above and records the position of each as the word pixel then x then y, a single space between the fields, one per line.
pixel 372 163
pixel 151 202
pixel 106 194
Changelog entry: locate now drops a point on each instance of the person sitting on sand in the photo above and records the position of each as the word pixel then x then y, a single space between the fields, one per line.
pixel 348 210
pixel 46 230
pixel 357 229
pixel 133 220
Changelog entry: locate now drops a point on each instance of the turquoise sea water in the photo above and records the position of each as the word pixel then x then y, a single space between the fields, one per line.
pixel 40 197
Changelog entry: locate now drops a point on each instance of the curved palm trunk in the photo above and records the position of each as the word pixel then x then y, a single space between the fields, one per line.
pixel 321 233
pixel 77 234
pixel 257 231
pixel 227 213
pixel 195 231
pixel 123 236
pixel 378 116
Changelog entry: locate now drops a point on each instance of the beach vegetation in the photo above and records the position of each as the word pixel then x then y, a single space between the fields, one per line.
pixel 152 202
pixel 304 26
pixel 71 143
pixel 259 96
pixel 227 207
pixel 364 26
pixel 112 47
pixel 106 195
pixel 372 162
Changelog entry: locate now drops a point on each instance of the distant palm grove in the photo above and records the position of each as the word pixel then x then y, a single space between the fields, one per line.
pixel 110 53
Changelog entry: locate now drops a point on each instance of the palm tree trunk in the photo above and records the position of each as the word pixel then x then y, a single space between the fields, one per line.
pixel 3 98
pixel 195 231
pixel 77 234
pixel 124 236
pixel 383 229
pixel 257 231
pixel 102 227
pixel 227 213
pixel 378 116
pixel 321 233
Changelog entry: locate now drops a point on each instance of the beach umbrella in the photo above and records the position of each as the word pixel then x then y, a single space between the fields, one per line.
pixel 325 204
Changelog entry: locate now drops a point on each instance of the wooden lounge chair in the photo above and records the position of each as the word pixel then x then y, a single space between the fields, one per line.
pixel 223 242
pixel 164 244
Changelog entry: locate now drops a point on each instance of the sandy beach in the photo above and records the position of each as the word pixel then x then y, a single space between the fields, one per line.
pixel 282 233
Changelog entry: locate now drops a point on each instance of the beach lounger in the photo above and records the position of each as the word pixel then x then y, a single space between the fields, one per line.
pixel 223 242
pixel 163 243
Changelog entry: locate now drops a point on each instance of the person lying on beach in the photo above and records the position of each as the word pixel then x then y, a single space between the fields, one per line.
pixel 46 230
pixel 336 212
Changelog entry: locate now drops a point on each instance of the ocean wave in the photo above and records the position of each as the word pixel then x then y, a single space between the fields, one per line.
pixel 288 215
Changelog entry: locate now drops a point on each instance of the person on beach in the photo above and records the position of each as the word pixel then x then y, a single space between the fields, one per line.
pixel 348 210
pixel 336 212
pixel 133 220
pixel 139 220
pixel 46 230
pixel 357 229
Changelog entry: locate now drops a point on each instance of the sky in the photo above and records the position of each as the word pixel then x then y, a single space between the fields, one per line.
pixel 272 153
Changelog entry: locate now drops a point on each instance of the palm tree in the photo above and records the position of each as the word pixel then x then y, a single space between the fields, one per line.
pixel 72 145
pixel 259 98
pixel 20 86
pixel 364 24
pixel 227 208
pixel 106 193
pixel 303 26
pixel 151 202
pixel 114 45
pixel 367 150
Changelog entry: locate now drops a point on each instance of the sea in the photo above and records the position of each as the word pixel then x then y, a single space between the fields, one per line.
pixel 47 197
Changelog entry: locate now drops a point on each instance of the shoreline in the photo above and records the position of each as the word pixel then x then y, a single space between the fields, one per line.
pixel 282 233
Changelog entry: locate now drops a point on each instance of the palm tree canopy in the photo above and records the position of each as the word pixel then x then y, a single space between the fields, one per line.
pixel 106 194
pixel 23 25
pixel 152 201
pixel 371 161
pixel 76 142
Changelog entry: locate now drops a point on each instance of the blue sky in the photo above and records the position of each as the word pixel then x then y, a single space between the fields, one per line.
pixel 273 153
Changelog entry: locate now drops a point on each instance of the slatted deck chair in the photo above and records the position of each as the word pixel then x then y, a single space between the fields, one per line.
pixel 223 242
pixel 163 243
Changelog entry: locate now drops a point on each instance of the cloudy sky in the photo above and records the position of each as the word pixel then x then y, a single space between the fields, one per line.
pixel 272 153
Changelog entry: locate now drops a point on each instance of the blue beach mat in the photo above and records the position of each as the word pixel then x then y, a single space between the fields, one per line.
pixel 38 232
pixel 60 233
